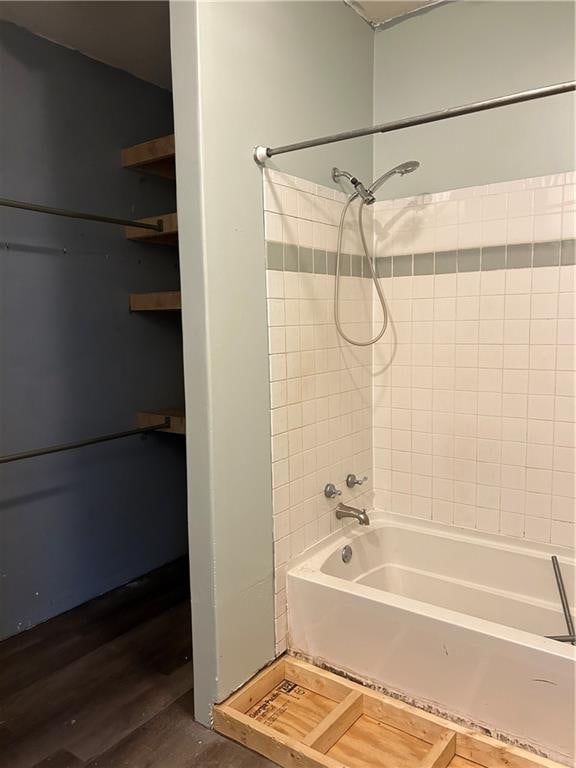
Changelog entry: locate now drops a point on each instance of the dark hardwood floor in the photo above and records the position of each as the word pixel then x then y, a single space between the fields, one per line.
pixel 109 685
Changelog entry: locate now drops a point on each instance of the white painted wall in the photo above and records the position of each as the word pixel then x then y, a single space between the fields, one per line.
pixel 195 352
pixel 245 73
pixel 464 52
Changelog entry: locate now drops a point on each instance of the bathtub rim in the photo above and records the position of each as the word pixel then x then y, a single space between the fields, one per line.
pixel 307 566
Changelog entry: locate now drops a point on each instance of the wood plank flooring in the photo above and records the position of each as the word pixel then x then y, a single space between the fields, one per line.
pixel 109 685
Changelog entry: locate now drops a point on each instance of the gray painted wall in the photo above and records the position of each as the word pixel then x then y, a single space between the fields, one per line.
pixel 245 73
pixel 73 361
pixel 467 51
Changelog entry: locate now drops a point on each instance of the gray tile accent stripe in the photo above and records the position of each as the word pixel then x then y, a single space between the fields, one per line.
pixel 274 255
pixel 519 256
pixel 291 261
pixel 384 266
pixel 546 254
pixel 493 258
pixel 423 263
pixel 292 258
pixel 568 252
pixel 319 262
pixel 445 262
pixel 468 260
pixel 402 265
pixel 306 260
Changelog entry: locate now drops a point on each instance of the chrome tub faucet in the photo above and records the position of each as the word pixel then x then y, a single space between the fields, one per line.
pixel 343 511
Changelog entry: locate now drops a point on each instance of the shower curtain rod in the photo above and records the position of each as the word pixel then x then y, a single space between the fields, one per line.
pixel 261 154
pixel 158 227
pixel 81 443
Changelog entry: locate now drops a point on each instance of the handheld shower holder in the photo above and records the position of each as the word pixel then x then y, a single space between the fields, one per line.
pixel 367 198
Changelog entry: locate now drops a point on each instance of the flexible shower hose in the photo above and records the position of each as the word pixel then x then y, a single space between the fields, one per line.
pixel 372 270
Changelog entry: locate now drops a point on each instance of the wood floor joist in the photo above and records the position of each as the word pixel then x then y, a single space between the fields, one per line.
pixel 442 752
pixel 300 716
pixel 332 728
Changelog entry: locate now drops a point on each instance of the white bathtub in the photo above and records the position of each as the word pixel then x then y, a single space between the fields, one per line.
pixel 447 618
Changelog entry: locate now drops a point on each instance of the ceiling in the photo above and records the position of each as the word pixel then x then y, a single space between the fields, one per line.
pixel 388 12
pixel 133 36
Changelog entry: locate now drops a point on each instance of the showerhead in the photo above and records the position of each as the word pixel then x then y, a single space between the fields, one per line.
pixel 408 166
pixel 402 170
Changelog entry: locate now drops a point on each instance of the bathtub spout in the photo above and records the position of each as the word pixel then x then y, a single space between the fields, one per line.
pixel 343 510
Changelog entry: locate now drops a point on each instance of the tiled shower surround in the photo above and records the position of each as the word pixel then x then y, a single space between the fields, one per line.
pixel 321 388
pixel 464 411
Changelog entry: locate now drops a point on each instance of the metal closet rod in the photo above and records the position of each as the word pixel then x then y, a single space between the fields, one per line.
pixel 158 227
pixel 261 154
pixel 81 443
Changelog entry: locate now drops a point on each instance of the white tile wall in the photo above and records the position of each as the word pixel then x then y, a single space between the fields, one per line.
pixel 464 412
pixel 299 212
pixel 321 388
pixel 528 210
pixel 474 389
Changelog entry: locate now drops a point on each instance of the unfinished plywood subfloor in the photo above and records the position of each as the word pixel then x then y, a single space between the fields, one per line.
pixel 291 710
pixel 301 716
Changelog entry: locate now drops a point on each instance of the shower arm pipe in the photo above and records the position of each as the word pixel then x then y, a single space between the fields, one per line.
pixel 7 203
pixel 261 154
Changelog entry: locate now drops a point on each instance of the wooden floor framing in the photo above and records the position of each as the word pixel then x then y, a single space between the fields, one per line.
pixel 300 716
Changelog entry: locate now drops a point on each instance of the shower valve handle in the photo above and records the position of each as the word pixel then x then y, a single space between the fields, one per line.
pixel 330 491
pixel 352 480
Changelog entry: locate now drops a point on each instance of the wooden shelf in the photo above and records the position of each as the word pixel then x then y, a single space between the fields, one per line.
pixel 156 157
pixel 175 416
pixel 297 714
pixel 159 301
pixel 168 236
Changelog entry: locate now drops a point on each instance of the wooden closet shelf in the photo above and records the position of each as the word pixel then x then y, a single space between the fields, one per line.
pixel 156 156
pixel 158 301
pixel 175 416
pixel 168 236
pixel 299 715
